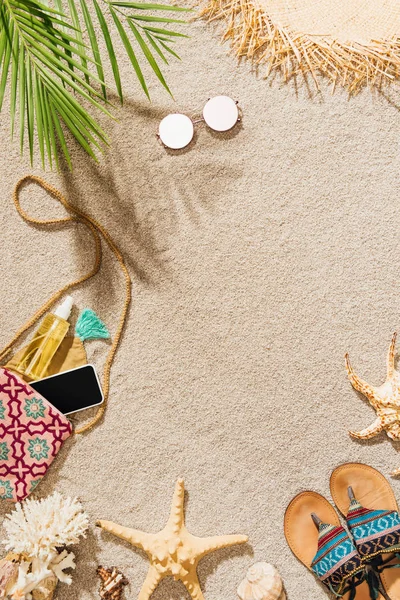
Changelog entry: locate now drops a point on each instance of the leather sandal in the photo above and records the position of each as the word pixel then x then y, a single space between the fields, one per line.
pixel 317 538
pixel 366 499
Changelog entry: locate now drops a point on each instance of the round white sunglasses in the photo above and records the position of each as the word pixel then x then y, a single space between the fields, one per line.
pixel 176 130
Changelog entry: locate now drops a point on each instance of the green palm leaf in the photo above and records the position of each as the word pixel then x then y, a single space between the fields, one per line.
pixel 110 48
pixel 94 44
pixel 130 51
pixel 150 6
pixel 148 55
pixel 51 63
pixel 168 49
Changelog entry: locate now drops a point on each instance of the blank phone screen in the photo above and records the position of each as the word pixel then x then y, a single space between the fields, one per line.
pixel 71 391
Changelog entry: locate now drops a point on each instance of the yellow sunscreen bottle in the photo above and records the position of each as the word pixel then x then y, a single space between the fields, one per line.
pixel 38 354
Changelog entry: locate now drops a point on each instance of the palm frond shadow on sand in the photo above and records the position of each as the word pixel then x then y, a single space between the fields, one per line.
pixel 141 194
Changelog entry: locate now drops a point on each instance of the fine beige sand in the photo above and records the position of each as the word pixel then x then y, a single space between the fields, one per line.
pixel 258 258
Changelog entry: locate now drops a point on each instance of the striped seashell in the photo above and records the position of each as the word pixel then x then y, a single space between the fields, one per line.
pixel 262 582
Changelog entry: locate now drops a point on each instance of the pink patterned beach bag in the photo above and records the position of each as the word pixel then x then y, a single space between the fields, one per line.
pixel 31 433
pixel 32 430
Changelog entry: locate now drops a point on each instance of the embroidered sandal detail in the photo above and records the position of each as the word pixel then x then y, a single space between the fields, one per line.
pixel 326 548
pixel 366 500
pixel 337 560
pixel 374 531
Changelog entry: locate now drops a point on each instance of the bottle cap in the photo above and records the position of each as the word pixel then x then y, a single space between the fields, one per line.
pixel 64 309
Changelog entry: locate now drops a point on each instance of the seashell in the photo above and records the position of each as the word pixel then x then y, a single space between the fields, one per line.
pixel 262 582
pixel 112 583
pixel 8 573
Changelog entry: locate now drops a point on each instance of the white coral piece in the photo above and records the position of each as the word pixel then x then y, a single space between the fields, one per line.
pixel 28 580
pixel 63 561
pixel 37 529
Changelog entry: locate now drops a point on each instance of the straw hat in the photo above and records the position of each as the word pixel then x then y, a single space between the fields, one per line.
pixel 353 42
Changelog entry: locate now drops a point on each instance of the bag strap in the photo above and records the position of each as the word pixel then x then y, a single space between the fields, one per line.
pixel 97 231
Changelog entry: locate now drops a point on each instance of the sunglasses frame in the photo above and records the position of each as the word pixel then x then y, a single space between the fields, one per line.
pixel 196 121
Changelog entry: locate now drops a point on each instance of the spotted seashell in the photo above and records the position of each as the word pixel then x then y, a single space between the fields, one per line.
pixel 262 582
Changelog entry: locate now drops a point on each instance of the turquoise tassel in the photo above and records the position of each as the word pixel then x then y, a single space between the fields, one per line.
pixel 90 327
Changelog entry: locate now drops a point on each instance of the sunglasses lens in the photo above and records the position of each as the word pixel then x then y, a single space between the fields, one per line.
pixel 176 131
pixel 221 113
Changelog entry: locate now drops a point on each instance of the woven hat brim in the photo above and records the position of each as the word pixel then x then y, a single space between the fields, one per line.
pixel 255 34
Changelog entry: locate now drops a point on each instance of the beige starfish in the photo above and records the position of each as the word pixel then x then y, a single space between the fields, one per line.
pixel 173 551
pixel 385 399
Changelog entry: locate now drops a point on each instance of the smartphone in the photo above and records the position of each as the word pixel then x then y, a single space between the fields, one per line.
pixel 72 390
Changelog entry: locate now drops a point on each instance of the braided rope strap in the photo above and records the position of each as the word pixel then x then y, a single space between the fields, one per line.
pixel 98 232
